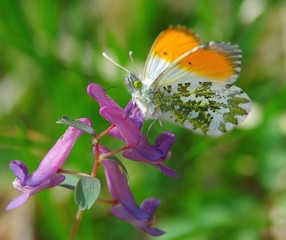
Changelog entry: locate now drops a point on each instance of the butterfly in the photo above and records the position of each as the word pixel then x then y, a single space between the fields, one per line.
pixel 190 84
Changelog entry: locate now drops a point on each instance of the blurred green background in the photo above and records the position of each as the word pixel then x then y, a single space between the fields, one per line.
pixel 232 187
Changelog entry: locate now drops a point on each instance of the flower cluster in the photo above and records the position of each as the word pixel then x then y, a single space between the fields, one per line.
pixel 125 125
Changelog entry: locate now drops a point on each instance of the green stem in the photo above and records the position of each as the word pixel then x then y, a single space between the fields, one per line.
pixel 76 224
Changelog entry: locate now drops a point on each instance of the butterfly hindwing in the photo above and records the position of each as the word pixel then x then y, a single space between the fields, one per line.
pixel 202 107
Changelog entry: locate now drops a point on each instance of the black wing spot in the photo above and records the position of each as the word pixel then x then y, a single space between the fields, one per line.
pixel 165 53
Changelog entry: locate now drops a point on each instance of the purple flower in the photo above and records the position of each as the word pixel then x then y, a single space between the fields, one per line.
pixel 127 127
pixel 46 175
pixel 141 217
pixel 21 172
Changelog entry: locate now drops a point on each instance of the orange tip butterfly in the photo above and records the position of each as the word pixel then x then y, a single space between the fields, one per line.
pixel 190 84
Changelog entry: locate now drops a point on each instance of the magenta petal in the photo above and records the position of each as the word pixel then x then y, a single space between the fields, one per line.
pixel 120 212
pixel 28 191
pixel 98 93
pixel 131 134
pixel 131 112
pixel 134 113
pixel 150 205
pixel 165 141
pixel 19 169
pixel 129 107
pixel 167 170
pixel 55 180
pixel 128 130
pixel 154 231
pixel 119 189
pixel 46 175
pixel 18 201
pixel 56 157
pixel 135 116
pixel 144 224
pixel 134 155
pixel 127 127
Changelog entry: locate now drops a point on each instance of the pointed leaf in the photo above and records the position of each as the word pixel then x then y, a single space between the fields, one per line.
pixel 77 124
pixel 86 192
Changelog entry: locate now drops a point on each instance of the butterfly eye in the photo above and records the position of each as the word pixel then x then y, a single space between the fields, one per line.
pixel 137 84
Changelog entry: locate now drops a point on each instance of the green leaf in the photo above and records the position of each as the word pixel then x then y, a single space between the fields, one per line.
pixel 77 124
pixel 70 182
pixel 86 192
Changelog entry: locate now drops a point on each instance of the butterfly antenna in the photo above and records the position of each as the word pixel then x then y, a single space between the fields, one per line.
pixel 115 63
pixel 133 63
pixel 106 89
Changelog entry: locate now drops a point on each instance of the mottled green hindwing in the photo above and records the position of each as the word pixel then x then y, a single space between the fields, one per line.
pixel 204 107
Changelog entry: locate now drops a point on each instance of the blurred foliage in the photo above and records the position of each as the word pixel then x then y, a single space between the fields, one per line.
pixel 230 188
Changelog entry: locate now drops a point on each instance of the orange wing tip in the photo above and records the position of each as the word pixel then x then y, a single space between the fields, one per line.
pixel 217 61
pixel 182 28
pixel 174 42
pixel 232 52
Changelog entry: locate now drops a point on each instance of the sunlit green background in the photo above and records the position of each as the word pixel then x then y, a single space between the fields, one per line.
pixel 232 187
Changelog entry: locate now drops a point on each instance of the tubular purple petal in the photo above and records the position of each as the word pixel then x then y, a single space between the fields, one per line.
pixel 163 144
pixel 134 155
pixel 56 157
pixel 46 175
pixel 127 208
pixel 119 189
pixel 132 111
pixel 144 224
pixel 98 93
pixel 128 130
pixel 131 134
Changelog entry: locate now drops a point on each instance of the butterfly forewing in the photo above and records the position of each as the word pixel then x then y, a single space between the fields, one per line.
pixel 217 62
pixel 162 52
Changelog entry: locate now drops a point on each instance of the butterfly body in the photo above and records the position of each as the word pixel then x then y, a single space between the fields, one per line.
pixel 189 83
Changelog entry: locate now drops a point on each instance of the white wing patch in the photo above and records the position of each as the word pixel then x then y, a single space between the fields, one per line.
pixel 154 67
pixel 202 107
pixel 174 76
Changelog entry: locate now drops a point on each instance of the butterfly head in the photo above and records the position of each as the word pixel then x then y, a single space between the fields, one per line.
pixel 132 82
